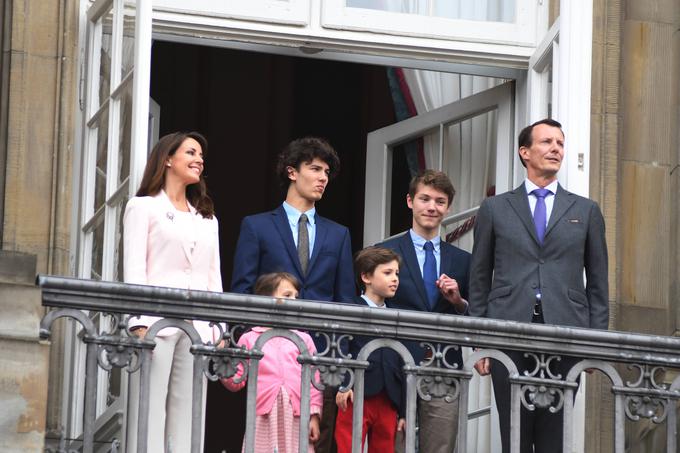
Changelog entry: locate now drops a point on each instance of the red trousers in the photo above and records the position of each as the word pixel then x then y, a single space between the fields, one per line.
pixel 380 422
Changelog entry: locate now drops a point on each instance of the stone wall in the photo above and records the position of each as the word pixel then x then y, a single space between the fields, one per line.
pixel 36 146
pixel 634 176
pixel 23 362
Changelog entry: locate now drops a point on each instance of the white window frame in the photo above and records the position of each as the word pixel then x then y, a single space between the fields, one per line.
pixel 381 142
pixel 137 80
pixel 522 32
pixel 201 24
pixel 289 12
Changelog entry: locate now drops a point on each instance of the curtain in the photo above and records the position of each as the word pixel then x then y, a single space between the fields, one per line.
pixel 469 149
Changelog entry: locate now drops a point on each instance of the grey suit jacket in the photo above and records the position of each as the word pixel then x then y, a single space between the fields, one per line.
pixel 509 267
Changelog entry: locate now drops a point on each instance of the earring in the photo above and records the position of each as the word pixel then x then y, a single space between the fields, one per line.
pixel 168 164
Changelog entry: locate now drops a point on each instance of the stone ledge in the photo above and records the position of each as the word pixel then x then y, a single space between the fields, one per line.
pixel 17 267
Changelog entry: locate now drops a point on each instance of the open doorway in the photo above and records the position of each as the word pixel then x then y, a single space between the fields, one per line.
pixel 249 105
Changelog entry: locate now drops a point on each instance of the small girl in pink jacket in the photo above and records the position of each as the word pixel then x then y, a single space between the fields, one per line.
pixel 277 424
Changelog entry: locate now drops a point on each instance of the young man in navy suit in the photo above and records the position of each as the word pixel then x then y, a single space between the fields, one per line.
pixel 434 278
pixel 377 271
pixel 293 238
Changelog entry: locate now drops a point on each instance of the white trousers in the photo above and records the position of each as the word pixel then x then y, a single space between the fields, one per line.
pixel 170 398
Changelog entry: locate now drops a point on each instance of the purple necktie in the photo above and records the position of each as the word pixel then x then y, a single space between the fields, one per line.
pixel 540 213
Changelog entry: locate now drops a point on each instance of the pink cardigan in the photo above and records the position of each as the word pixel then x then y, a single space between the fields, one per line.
pixel 278 368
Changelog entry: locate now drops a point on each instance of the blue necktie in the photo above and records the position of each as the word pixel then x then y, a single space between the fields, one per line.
pixel 540 213
pixel 430 274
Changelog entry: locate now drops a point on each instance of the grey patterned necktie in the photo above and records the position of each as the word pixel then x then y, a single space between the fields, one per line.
pixel 303 243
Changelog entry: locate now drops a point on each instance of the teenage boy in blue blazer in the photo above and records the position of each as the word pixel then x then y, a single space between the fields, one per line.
pixel 270 241
pixel 434 279
pixel 293 238
pixel 377 271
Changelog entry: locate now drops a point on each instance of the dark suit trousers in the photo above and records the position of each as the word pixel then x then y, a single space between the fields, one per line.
pixel 540 429
pixel 329 413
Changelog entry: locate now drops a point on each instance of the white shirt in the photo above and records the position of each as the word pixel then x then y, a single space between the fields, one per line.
pixel 549 199
pixel 371 303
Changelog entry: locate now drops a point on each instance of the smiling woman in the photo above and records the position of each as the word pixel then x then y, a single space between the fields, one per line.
pixel 171 239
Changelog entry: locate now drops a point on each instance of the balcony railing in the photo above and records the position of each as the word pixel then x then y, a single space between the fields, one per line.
pixel 645 396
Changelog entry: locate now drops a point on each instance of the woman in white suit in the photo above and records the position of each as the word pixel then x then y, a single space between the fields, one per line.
pixel 171 239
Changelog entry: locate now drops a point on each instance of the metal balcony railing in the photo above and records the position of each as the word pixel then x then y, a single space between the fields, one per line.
pixel 645 396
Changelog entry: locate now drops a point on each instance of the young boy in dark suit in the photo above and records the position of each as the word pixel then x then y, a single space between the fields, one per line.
pixel 377 271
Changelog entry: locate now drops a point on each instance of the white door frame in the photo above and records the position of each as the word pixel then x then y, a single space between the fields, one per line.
pixel 382 141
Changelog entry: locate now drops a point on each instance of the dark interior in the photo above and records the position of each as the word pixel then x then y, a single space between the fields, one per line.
pixel 249 105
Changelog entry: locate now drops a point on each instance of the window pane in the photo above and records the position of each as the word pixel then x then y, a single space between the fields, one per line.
pixel 470 161
pixel 105 29
pixel 128 55
pixel 481 10
pixel 97 249
pixel 407 160
pixel 100 169
pixel 125 132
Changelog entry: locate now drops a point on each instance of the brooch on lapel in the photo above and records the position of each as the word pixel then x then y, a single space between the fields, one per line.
pixel 574 221
pixel 170 216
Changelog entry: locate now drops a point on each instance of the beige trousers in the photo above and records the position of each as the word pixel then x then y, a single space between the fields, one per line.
pixel 437 427
pixel 170 398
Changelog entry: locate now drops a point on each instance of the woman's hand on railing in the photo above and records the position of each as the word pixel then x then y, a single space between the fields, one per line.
pixel 483 366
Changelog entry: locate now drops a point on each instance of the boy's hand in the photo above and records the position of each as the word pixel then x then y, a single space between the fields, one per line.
pixel 448 287
pixel 314 428
pixel 401 424
pixel 342 397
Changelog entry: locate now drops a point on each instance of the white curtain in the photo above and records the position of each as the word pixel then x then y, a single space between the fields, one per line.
pixel 469 149
pixel 482 10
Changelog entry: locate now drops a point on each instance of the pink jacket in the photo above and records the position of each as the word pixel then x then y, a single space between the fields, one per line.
pixel 278 368
pixel 164 247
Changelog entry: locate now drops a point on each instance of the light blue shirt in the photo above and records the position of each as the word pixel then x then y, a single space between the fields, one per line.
pixel 371 303
pixel 293 218
pixel 419 244
pixel 549 199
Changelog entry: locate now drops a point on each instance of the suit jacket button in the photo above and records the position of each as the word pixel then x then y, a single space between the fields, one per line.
pixel 541 261
pixel 534 285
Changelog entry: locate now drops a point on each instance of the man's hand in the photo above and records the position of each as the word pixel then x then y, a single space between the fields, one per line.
pixel 342 397
pixel 401 424
pixel 483 366
pixel 314 428
pixel 139 332
pixel 449 289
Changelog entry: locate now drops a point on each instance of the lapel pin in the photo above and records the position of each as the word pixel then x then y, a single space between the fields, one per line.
pixel 170 216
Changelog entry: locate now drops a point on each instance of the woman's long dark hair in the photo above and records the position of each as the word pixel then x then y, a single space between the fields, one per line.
pixel 154 173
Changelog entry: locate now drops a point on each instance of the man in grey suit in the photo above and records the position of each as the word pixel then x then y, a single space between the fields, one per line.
pixel 531 248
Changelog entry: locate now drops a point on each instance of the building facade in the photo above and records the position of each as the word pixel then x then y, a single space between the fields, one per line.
pixel 86 87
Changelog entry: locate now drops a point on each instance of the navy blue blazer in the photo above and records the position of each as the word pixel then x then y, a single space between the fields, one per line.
pixel 384 372
pixel 266 244
pixel 411 294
